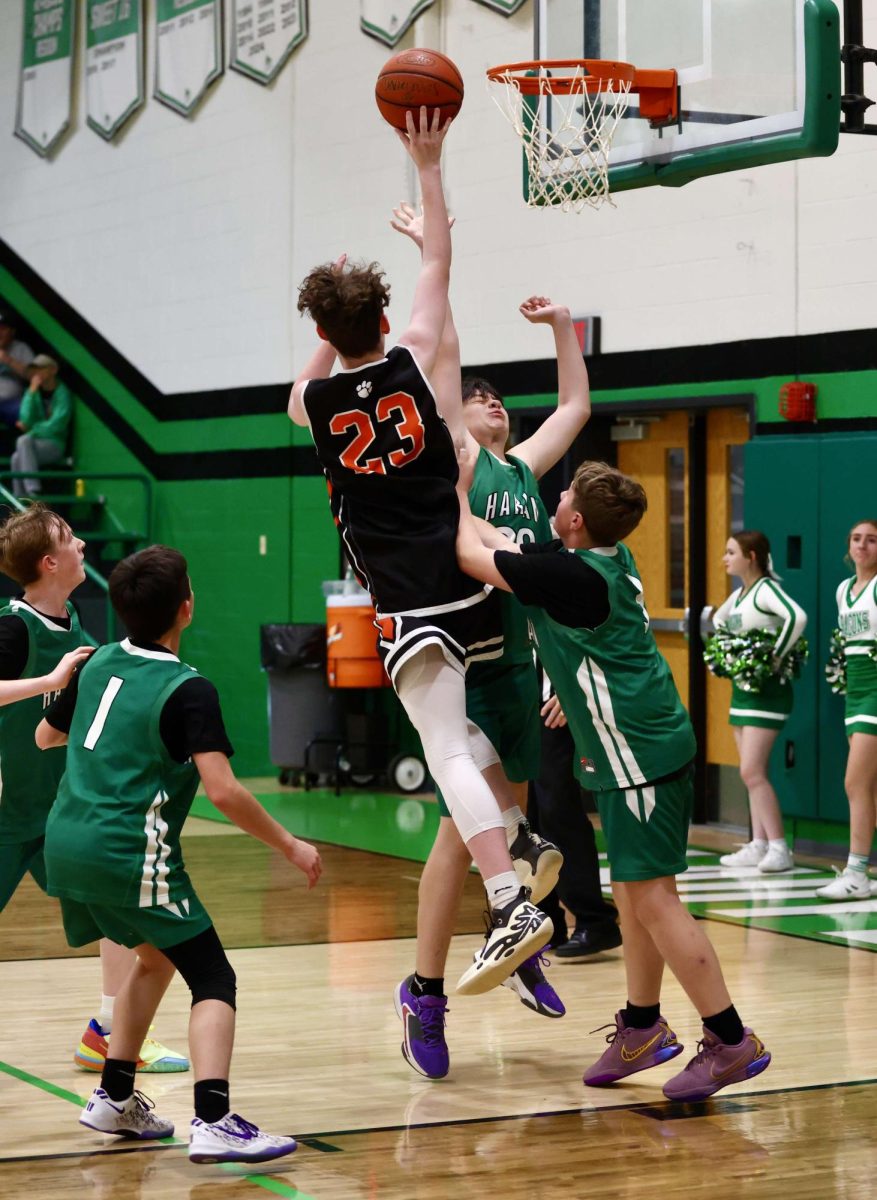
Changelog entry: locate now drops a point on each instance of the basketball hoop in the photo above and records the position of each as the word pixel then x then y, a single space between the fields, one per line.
pixel 567 142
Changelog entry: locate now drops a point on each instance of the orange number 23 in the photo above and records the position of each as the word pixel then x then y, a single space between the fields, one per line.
pixel 398 408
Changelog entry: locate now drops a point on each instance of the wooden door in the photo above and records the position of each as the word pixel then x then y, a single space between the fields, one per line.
pixel 727 433
pixel 660 544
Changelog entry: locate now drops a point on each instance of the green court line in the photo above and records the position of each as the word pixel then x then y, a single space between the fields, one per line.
pixel 263 1181
pixel 43 1084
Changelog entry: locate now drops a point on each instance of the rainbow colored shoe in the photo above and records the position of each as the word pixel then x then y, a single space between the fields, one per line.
pixel 154 1057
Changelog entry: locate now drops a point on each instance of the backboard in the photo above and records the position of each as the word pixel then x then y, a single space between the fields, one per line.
pixel 759 80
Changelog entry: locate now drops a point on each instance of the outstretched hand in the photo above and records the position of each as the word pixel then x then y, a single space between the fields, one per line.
pixel 540 311
pixel 423 139
pixel 410 223
pixel 58 678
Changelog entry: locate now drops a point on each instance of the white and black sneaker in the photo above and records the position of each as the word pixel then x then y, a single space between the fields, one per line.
pixel 537 862
pixel 131 1118
pixel 235 1140
pixel 514 933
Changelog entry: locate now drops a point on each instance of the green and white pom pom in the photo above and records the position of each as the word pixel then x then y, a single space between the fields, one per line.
pixel 836 667
pixel 749 658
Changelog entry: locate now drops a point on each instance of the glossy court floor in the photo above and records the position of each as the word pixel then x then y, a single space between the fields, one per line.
pixel 317 1048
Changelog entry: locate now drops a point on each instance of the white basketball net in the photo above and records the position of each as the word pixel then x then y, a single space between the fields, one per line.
pixel 566 138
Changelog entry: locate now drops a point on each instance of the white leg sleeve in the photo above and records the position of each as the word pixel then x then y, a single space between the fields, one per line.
pixel 433 694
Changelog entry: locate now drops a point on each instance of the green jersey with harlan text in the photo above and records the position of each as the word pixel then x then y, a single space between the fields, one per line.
pixel 616 689
pixel 507 495
pixel 30 776
pixel 113 836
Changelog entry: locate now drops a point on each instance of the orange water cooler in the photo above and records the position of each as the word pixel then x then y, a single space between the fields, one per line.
pixel 351 638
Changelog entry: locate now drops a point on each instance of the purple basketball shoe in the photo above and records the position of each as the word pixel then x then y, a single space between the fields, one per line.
pixel 423 1030
pixel 716 1065
pixel 631 1050
pixel 533 989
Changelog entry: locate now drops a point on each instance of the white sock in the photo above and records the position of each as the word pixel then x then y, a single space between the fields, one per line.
pixel 778 844
pixel 858 863
pixel 761 843
pixel 105 1016
pixel 512 820
pixel 501 888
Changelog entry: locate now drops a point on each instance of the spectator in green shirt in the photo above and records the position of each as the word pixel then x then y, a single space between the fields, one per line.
pixel 44 421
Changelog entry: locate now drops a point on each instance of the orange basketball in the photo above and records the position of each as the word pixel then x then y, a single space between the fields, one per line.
pixel 416 77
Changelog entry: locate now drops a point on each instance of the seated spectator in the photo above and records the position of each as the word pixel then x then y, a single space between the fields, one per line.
pixel 15 360
pixel 44 421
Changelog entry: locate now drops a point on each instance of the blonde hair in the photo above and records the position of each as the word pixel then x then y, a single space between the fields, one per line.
pixel 25 540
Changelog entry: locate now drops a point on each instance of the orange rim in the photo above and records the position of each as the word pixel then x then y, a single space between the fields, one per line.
pixel 658 89
pixel 599 72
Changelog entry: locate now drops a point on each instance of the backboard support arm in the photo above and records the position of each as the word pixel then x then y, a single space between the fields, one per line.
pixel 854 103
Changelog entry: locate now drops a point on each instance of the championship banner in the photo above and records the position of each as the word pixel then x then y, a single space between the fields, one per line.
pixel 264 33
pixel 188 51
pixel 390 20
pixel 506 7
pixel 46 79
pixel 114 86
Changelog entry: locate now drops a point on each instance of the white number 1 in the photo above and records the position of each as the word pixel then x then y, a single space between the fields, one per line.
pixel 103 711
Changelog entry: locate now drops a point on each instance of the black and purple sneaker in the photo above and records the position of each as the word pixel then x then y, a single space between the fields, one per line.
pixel 423 1030
pixel 533 989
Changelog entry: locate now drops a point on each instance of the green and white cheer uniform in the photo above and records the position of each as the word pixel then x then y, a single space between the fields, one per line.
pixel 30 776
pixel 764 605
pixel 502 695
pixel 632 734
pixel 857 621
pixel 112 849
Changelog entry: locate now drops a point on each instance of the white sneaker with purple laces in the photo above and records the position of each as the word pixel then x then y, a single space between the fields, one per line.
pixel 235 1140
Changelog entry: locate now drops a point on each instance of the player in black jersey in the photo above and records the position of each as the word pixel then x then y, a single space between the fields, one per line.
pixel 390 459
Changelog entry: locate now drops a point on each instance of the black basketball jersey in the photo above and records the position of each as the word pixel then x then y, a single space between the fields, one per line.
pixel 390 463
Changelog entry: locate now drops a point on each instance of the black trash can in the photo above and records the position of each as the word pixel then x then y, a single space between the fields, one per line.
pixel 302 708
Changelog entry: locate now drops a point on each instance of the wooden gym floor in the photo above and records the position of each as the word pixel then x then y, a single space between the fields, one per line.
pixel 317 1053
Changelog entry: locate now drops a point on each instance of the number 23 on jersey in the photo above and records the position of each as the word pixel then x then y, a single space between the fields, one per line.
pixel 400 410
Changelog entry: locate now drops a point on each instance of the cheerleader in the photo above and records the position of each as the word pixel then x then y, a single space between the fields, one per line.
pixel 857 621
pixel 757 717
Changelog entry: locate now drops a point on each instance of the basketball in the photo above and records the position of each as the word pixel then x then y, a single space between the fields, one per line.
pixel 414 78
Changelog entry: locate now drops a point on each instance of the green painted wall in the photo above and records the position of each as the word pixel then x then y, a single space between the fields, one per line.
pixel 218 523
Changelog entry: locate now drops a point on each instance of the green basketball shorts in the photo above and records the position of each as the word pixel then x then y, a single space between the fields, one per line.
pixel 646 828
pixel 505 707
pixel 161 926
pixel 16 859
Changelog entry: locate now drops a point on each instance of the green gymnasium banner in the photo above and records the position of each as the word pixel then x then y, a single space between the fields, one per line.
pixel 114 87
pixel 390 20
pixel 45 83
pixel 188 51
pixel 264 34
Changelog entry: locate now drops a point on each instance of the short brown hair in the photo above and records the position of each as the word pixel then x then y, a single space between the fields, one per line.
pixel 25 540
pixel 611 504
pixel 147 589
pixel 347 304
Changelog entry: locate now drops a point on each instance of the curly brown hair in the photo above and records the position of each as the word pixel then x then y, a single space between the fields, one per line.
pixel 25 540
pixel 346 304
pixel 611 504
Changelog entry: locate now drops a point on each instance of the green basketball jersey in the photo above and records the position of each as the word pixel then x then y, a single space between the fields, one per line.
pixel 113 836
pixel 629 725
pixel 507 495
pixel 30 776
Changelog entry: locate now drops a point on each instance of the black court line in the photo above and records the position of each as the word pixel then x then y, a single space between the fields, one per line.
pixel 662 1110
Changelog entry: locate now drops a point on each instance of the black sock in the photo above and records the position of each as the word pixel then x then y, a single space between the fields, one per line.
pixel 641 1016
pixel 117 1079
pixel 421 985
pixel 211 1100
pixel 727 1026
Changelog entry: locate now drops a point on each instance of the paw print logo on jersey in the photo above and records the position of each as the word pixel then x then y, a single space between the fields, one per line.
pixel 364 389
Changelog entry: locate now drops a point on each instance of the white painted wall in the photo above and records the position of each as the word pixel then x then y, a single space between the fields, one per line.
pixel 184 241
